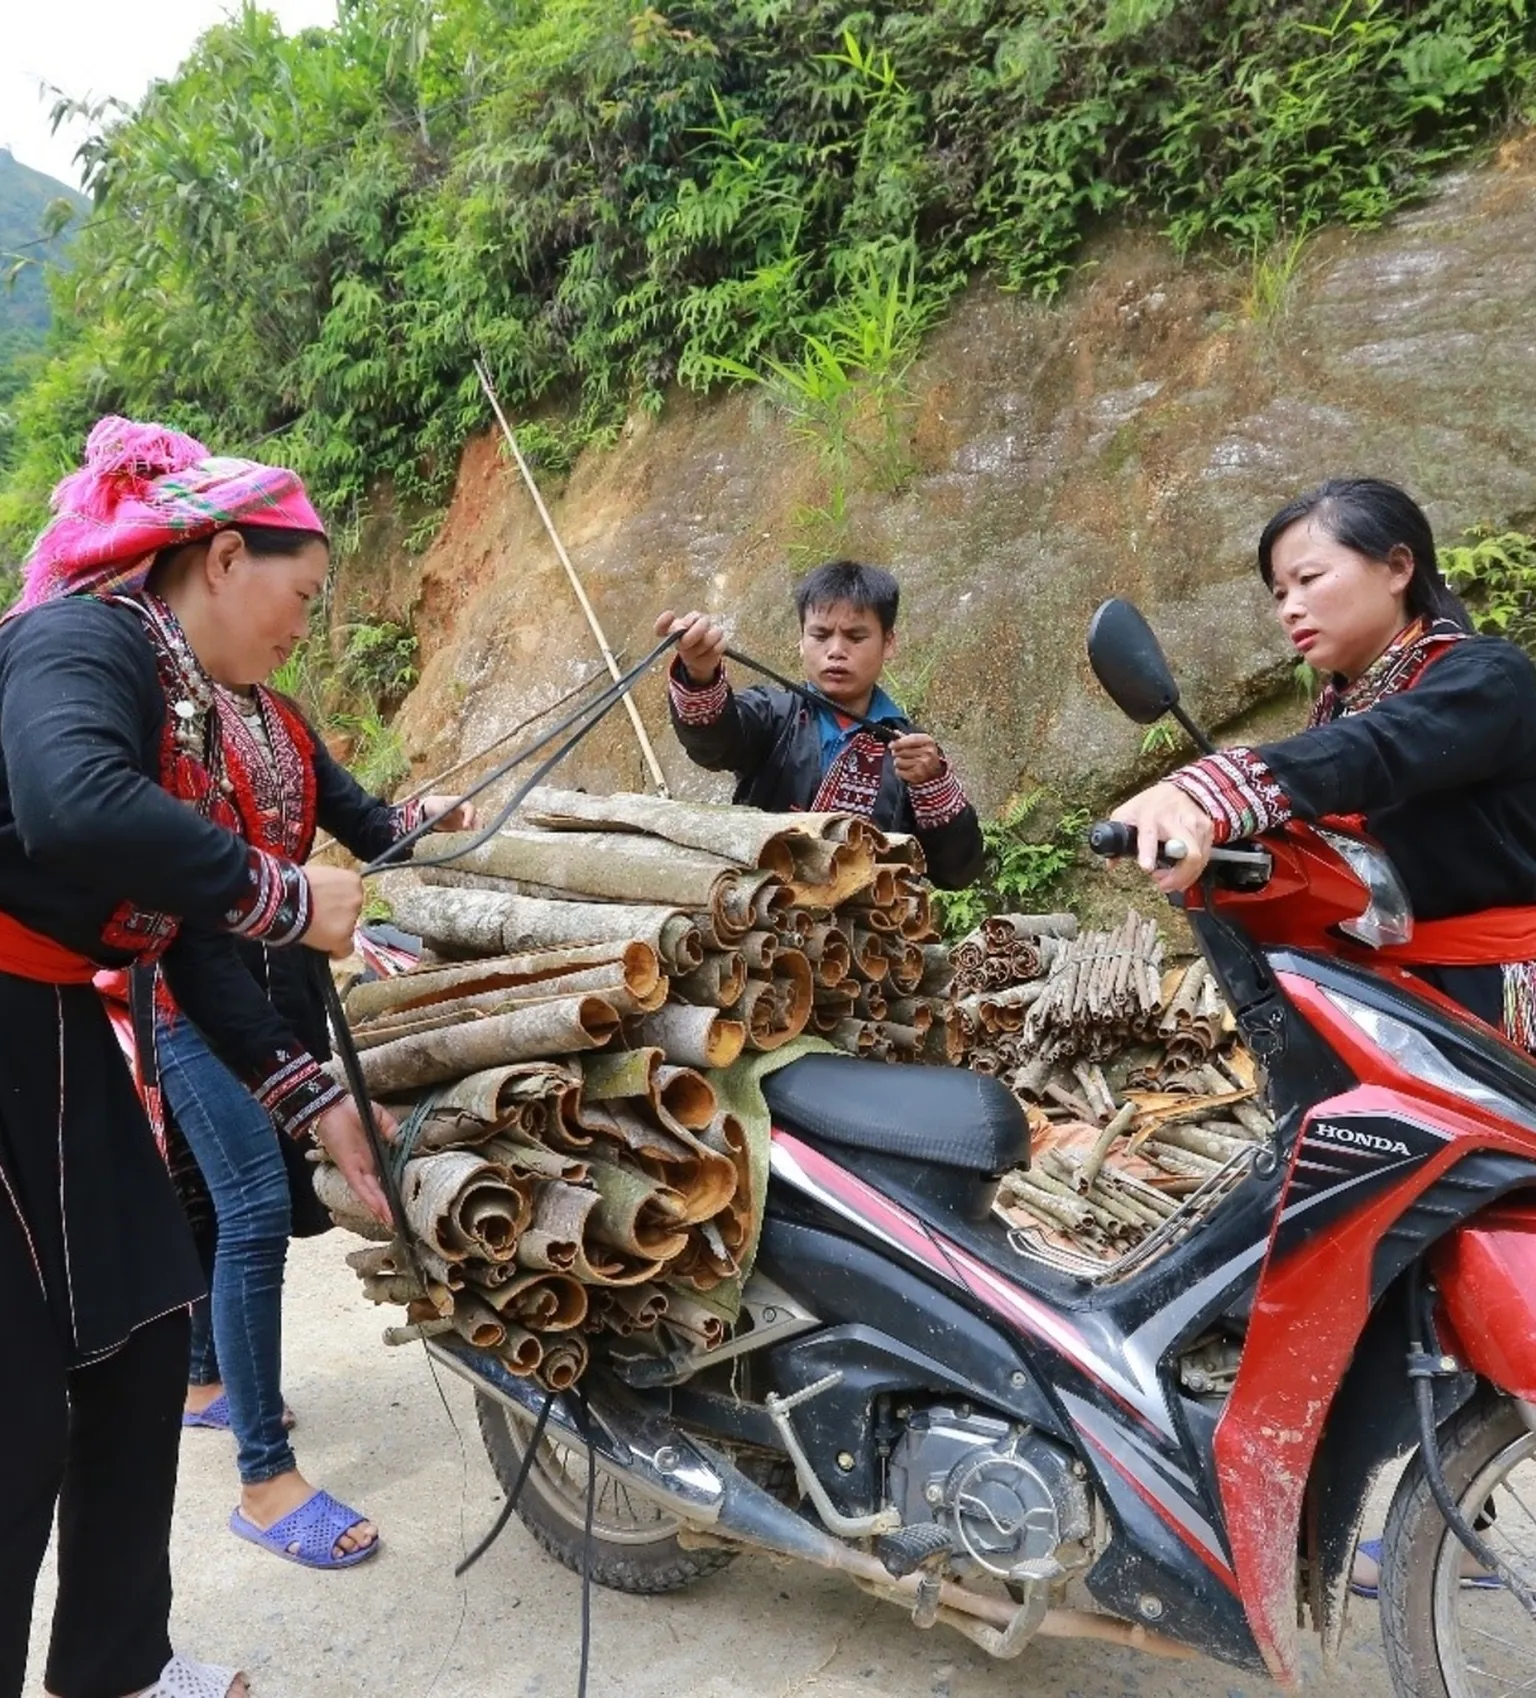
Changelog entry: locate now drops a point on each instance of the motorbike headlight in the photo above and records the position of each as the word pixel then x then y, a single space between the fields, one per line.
pixel 1388 916
pixel 1415 1054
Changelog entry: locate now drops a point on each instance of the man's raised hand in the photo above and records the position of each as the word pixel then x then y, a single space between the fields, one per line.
pixel 916 757
pixel 702 648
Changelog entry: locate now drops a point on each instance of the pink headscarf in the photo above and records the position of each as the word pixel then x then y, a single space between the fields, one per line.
pixel 143 488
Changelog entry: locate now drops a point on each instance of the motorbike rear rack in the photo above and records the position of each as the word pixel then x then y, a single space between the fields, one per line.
pixel 1190 1214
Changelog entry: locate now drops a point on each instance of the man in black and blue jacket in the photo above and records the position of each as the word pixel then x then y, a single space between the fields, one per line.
pixel 792 754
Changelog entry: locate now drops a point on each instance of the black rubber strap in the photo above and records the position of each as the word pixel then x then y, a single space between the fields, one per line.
pixel 499 1525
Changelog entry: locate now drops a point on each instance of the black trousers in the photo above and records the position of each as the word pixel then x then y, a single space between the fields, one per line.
pixel 101 1442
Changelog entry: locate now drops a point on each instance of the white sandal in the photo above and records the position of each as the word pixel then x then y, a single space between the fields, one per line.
pixel 182 1678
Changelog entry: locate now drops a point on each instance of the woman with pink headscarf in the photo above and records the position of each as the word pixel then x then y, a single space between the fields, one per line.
pixel 165 574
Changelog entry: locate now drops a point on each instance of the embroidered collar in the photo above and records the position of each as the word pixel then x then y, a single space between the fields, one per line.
pixel 1397 668
pixel 836 731
pixel 190 692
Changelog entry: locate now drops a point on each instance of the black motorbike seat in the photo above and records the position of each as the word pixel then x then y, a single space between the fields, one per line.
pixel 947 1116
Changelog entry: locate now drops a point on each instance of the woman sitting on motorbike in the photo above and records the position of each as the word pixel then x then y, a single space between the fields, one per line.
pixel 1425 730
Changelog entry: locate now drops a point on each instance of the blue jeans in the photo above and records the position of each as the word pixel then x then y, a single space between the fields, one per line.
pixel 237 1148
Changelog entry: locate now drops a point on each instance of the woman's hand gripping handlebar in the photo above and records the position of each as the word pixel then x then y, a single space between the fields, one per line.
pixel 1114 839
pixel 1158 817
pixel 1241 868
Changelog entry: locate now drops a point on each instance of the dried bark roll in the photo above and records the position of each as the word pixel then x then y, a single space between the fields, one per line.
pixel 696 1037
pixel 427 986
pixel 565 1361
pixel 453 920
pixel 541 1302
pixel 716 984
pixel 546 1028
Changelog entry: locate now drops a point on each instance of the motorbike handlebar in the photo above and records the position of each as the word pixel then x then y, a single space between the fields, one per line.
pixel 1112 839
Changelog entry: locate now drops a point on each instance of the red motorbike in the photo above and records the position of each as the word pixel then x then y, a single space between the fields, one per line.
pixel 965 1428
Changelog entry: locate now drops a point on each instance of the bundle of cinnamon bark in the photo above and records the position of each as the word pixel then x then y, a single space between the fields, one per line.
pixel 547 1201
pixel 1142 1103
pixel 570 1170
pixel 1040 1005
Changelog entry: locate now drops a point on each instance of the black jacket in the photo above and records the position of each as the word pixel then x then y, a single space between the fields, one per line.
pixel 769 738
pixel 84 823
pixel 1445 775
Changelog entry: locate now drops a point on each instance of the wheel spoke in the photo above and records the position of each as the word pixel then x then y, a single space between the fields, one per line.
pixel 617 1516
pixel 1486 1642
pixel 1506 1691
pixel 1525 1508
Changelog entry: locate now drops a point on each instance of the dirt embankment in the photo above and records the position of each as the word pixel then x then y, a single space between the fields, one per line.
pixel 1130 440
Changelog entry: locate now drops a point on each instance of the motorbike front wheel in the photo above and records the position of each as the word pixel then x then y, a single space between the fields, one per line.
pixel 634 1543
pixel 1446 1636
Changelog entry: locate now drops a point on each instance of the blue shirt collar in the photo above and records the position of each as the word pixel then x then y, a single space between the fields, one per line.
pixel 835 735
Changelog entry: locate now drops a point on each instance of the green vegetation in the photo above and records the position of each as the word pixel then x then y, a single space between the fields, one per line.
pixel 299 244
pixel 377 759
pixel 35 215
pixel 352 695
pixel 1024 872
pixel 1164 737
pixel 378 661
pixel 846 395
pixel 1495 574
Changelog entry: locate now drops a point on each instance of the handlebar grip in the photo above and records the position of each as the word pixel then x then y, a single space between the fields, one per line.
pixel 1111 839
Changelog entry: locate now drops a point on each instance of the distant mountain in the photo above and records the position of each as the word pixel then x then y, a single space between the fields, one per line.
pixel 25 197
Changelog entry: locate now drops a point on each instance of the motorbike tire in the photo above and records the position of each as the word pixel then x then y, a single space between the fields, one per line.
pixel 1418 1640
pixel 645 1560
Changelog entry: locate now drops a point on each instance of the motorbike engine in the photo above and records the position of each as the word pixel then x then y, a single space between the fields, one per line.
pixel 1007 1496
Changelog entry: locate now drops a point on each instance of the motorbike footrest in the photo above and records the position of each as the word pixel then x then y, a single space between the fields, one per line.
pixel 911 1548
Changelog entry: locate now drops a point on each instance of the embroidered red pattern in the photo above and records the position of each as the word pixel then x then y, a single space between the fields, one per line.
pixel 937 801
pixel 852 781
pixel 1237 790
pixel 272 788
pixel 697 704
pixel 275 900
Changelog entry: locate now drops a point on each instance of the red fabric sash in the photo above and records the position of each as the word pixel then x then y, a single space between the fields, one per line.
pixel 30 955
pixel 1496 937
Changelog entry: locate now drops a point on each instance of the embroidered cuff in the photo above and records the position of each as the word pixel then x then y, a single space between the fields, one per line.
pixel 275 906
pixel 937 801
pixel 697 704
pixel 1237 789
pixel 404 818
pixel 294 1089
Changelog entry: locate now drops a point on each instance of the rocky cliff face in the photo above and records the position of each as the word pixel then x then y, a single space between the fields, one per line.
pixel 1131 440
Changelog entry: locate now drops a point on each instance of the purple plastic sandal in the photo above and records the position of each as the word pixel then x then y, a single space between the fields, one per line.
pixel 308 1534
pixel 216 1416
pixel 1371 1549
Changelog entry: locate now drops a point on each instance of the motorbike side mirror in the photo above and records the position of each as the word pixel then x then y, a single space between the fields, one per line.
pixel 1129 662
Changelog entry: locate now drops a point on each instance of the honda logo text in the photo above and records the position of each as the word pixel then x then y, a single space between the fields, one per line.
pixel 1373 1141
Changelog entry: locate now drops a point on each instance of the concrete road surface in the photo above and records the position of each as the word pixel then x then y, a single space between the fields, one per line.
pixel 373 1430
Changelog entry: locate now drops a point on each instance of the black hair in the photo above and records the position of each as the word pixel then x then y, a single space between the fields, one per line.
pixel 267 540
pixel 1372 517
pixel 264 541
pixel 869 587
